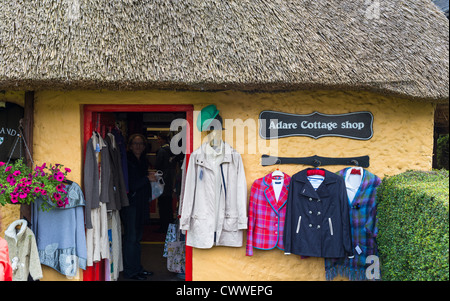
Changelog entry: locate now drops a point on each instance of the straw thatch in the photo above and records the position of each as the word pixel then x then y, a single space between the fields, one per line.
pixel 390 46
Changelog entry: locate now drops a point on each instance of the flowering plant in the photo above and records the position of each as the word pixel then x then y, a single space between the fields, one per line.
pixel 19 184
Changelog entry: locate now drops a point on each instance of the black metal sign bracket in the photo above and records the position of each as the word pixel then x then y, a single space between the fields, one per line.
pixel 315 161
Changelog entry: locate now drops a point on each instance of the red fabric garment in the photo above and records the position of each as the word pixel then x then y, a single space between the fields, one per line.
pixel 316 171
pixel 355 171
pixel 6 269
pixel 266 216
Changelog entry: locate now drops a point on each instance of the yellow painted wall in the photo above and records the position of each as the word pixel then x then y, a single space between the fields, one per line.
pixel 402 140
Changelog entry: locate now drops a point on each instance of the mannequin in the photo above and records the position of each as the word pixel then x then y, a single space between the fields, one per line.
pixel 215 133
pixel 215 138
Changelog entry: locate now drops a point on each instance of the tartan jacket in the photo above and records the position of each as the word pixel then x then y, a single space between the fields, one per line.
pixel 363 220
pixel 266 216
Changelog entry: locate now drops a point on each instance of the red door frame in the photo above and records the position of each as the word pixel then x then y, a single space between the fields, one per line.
pixel 95 273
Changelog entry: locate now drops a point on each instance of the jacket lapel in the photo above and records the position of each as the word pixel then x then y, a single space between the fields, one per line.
pixel 284 192
pixel 309 191
pixel 269 193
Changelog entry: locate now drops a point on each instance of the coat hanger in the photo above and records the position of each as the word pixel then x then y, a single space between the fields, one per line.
pixel 277 172
pixel 362 161
pixel 19 225
pixel 316 170
pixel 355 170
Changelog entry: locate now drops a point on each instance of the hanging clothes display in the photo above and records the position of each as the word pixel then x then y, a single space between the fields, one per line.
pixel 106 194
pixel 267 212
pixel 361 186
pixel 122 147
pixel 96 184
pixel 215 197
pixel 117 189
pixel 60 233
pixel 23 251
pixel 317 219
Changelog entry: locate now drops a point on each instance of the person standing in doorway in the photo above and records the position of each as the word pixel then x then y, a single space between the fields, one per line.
pixel 165 162
pixel 133 216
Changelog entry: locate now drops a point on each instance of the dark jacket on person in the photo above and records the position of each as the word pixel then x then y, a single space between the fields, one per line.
pixel 139 185
pixel 165 163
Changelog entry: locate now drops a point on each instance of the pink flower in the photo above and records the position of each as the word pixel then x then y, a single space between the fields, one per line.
pixel 11 181
pixel 14 198
pixel 67 169
pixel 22 195
pixel 60 187
pixel 62 203
pixel 16 173
pixel 8 168
pixel 59 176
pixel 41 168
pixel 57 196
pixel 2 163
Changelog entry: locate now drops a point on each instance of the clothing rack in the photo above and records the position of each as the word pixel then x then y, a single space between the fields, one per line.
pixel 315 161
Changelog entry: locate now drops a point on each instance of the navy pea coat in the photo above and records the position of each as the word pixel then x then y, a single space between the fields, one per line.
pixel 317 221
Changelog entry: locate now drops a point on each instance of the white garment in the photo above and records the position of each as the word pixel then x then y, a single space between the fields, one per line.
pixel 277 186
pixel 23 251
pixel 97 241
pixel 215 156
pixel 198 215
pixel 116 262
pixel 316 180
pixel 352 183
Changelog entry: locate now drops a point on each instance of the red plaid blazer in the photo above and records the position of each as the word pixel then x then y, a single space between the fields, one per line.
pixel 266 216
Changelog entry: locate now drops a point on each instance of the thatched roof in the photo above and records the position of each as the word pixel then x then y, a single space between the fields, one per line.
pixel 390 46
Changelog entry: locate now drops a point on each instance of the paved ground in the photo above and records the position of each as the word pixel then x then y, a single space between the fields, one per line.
pixel 152 260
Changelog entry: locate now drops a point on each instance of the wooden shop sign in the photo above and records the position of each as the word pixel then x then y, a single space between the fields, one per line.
pixel 355 125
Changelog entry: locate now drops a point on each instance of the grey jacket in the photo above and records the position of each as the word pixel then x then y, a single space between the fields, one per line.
pixel 92 192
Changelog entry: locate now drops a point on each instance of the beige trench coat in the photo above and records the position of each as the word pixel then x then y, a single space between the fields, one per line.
pixel 207 222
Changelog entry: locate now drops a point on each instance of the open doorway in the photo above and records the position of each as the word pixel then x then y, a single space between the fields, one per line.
pixel 151 121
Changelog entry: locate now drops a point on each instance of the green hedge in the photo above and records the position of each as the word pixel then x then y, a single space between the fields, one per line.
pixel 442 152
pixel 413 223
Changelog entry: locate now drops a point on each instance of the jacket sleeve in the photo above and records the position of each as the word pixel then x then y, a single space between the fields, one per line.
pixel 371 225
pixel 189 194
pixel 251 221
pixel 105 175
pixel 241 195
pixel 345 220
pixel 35 263
pixel 136 182
pixel 80 232
pixel 90 185
pixel 288 221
